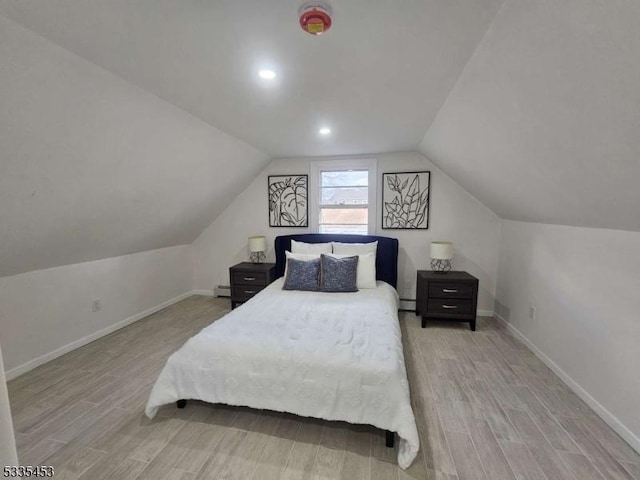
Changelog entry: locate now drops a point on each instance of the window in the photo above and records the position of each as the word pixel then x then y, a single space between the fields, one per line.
pixel 344 201
pixel 345 196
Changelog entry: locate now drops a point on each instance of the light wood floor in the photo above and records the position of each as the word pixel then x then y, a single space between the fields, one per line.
pixel 486 409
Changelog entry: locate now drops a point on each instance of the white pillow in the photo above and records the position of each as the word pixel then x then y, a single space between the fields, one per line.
pixel 298 256
pixel 354 248
pixel 301 247
pixel 366 269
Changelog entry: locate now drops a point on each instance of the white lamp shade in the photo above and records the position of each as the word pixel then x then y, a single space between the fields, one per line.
pixel 442 250
pixel 257 244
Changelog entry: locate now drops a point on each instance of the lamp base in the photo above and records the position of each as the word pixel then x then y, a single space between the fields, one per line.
pixel 440 266
pixel 257 257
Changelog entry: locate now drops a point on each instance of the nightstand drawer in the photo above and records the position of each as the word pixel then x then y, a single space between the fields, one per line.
pixel 242 293
pixel 450 290
pixel 450 306
pixel 249 278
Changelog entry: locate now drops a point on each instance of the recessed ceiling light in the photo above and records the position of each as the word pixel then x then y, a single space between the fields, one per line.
pixel 267 74
pixel 325 131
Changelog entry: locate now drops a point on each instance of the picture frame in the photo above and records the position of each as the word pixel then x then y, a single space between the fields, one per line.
pixel 406 200
pixel 288 200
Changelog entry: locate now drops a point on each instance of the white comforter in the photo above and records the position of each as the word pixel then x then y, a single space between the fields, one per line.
pixel 336 356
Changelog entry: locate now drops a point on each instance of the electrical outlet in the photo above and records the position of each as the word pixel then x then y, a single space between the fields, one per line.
pixel 96 306
pixel 532 312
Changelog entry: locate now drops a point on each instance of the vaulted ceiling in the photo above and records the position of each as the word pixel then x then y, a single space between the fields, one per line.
pixel 377 78
pixel 127 126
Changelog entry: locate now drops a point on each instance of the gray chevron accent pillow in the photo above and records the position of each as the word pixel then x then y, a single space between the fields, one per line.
pixel 338 274
pixel 302 275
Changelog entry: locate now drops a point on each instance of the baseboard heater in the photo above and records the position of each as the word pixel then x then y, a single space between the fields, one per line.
pixel 404 307
pixel 222 291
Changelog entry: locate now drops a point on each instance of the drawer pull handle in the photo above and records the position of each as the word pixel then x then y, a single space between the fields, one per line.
pixel 249 291
pixel 449 306
pixel 249 279
pixel 447 290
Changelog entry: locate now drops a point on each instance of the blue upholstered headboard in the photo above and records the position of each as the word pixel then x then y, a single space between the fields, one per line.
pixel 386 257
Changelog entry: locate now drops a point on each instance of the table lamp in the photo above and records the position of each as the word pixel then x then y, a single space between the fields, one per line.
pixel 441 255
pixel 257 247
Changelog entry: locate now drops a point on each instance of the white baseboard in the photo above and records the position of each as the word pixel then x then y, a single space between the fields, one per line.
pixel 206 293
pixel 47 357
pixel 611 420
pixel 485 313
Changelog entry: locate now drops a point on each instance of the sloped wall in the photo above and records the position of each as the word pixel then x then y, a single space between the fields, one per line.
pixel 542 125
pixel 455 216
pixel 93 167
pixel 583 283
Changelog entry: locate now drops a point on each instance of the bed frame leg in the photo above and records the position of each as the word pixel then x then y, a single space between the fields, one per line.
pixel 390 439
pixel 181 403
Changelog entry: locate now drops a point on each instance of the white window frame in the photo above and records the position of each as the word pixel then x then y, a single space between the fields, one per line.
pixel 369 164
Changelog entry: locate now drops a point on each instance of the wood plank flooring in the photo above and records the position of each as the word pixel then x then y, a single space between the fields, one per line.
pixel 487 409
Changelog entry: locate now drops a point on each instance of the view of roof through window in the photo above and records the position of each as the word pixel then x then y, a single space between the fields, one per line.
pixel 344 201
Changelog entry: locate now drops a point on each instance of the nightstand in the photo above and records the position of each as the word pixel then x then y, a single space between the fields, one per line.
pixel 247 279
pixel 447 296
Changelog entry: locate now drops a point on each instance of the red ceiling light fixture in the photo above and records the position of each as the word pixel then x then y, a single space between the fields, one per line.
pixel 315 18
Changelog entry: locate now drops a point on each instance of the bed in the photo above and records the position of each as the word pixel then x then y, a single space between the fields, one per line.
pixel 334 356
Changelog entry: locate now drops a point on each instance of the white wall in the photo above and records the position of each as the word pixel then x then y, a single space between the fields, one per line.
pixel 93 167
pixel 584 284
pixel 455 216
pixel 8 454
pixel 48 312
pixel 542 125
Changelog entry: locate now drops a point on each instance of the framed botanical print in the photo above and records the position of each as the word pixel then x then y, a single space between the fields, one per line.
pixel 288 206
pixel 405 200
